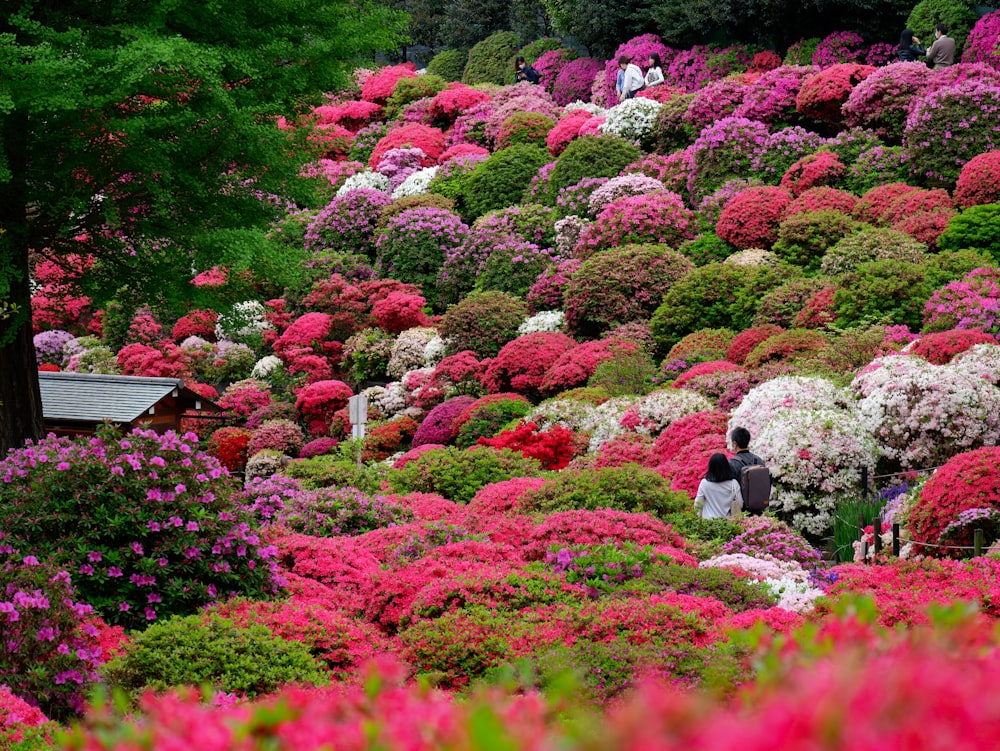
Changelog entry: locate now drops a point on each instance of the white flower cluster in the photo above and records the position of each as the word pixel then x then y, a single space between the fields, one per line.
pixel 546 320
pixel 660 409
pixel 785 580
pixel 408 351
pixel 621 186
pixel 434 351
pixel 764 402
pixel 751 257
pixel 923 414
pixel 192 342
pixel 982 360
pixel 368 179
pixel 266 366
pixel 568 413
pixel 415 184
pixel 593 109
pixel 392 400
pixel 632 119
pixel 608 421
pixel 243 319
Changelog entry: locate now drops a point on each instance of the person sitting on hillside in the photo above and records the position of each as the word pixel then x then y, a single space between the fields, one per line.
pixel 910 49
pixel 524 72
pixel 941 54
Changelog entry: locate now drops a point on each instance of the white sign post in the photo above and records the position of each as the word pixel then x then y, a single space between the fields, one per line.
pixel 357 407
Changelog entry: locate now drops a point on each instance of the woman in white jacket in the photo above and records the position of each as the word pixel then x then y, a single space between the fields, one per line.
pixel 633 81
pixel 719 494
pixel 654 75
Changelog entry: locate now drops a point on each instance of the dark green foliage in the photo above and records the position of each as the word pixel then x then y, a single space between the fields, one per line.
pixel 489 60
pixel 333 471
pixel 629 488
pixel 671 131
pixel 591 156
pixel 803 238
pixel 448 64
pixel 957 15
pixel 534 50
pixel 528 128
pixel 458 474
pixel 500 181
pixel 883 291
pixel 625 374
pixel 735 592
pixel 197 650
pixel 410 90
pixel 483 322
pixel 706 248
pixel 948 265
pixel 693 528
pixel 977 228
pixel 490 419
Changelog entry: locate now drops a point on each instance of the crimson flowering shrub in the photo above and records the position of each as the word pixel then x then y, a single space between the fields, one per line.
pixel 824 93
pixel 745 342
pixel 881 101
pixel 565 130
pixel 460 373
pixel 751 218
pixel 487 416
pixel 822 198
pixel 447 105
pixel 547 291
pixel 771 98
pixel 934 147
pixel 230 446
pixel 926 226
pixel 521 364
pixel 971 302
pixel 821 168
pixel 196 323
pixel 951 498
pixel 979 181
pixel 352 115
pixel 424 137
pixel 244 397
pixel 50 652
pixel 706 368
pixel 165 360
pixel 58 301
pixel 144 328
pixel 648 218
pixel 553 448
pixel 915 202
pixel 874 205
pixel 318 447
pixel 380 86
pixel 388 438
pixel 630 448
pixel 309 345
pixel 687 430
pixel 147 522
pixel 621 285
pixel 785 346
pixel 574 80
pixel 318 401
pixel 941 346
pixel 283 436
pixel 438 427
pixel 575 367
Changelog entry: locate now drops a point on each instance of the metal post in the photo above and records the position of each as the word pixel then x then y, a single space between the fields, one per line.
pixel 864 482
pixel 977 543
pixel 895 540
pixel 877 527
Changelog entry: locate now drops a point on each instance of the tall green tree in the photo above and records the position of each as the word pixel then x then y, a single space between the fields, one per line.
pixel 126 121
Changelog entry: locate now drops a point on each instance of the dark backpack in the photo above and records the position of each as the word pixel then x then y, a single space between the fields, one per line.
pixel 755 485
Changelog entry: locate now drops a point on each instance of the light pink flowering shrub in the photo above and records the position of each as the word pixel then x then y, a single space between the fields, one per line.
pixel 882 100
pixel 651 218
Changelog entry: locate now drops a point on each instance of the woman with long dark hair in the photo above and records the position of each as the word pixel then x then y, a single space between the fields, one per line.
pixel 718 494
pixel 910 49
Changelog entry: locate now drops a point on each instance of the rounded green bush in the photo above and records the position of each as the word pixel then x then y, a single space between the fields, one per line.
pixel 591 156
pixel 196 650
pixel 528 128
pixel 804 238
pixel 977 228
pixel 958 16
pixel 458 474
pixel 871 244
pixel 409 90
pixel 534 50
pixel 500 181
pixel 448 65
pixel 625 374
pixel 707 248
pixel 333 471
pixel 671 131
pixel 883 292
pixel 489 60
pixel 483 322
pixel 628 488
pixel 490 419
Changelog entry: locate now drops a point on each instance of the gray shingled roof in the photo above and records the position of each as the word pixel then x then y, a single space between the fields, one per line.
pixel 86 397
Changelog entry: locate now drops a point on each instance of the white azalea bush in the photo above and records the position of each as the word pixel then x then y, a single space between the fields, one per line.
pixel 982 360
pixel 632 119
pixel 653 413
pixel 434 351
pixel 923 414
pixel 785 580
pixel 608 421
pixel 815 457
pixel 368 180
pixel 408 351
pixel 244 320
pixel 415 184
pixel 576 415
pixel 544 321
pixel 771 398
pixel 621 186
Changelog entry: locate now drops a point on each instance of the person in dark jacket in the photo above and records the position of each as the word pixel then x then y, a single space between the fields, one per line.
pixel 524 72
pixel 740 438
pixel 910 49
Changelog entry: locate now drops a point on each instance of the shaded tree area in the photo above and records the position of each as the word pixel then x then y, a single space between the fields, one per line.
pixel 138 135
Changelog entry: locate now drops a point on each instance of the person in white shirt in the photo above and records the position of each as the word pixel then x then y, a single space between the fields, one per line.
pixel 654 76
pixel 719 494
pixel 632 83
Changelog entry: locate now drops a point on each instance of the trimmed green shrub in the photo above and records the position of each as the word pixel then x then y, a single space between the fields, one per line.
pixel 591 156
pixel 528 128
pixel 534 50
pixel 196 650
pixel 786 346
pixel 458 474
pixel 871 244
pixel 333 471
pixel 704 345
pixel 958 16
pixel 628 488
pixel 672 131
pixel 500 181
pixel 804 238
pixel 490 419
pixel 483 322
pixel 783 303
pixel 883 291
pixel 409 90
pixel 978 228
pixel 707 248
pixel 489 60
pixel 735 592
pixel 448 64
pixel 949 265
pixel 625 374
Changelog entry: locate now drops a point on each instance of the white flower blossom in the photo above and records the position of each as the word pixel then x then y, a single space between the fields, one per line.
pixel 368 180
pixel 546 320
pixel 632 119
pixel 415 184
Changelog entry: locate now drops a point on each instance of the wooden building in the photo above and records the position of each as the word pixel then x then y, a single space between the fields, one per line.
pixel 77 403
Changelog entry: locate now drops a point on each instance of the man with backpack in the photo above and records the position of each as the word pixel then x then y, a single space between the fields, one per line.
pixel 751 473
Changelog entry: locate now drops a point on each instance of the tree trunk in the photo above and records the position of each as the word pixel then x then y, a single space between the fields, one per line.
pixel 20 397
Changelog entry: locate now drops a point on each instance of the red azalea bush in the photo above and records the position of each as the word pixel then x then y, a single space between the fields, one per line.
pixel 547 291
pixel 386 439
pixel 564 131
pixel 462 372
pixel 940 347
pixel 814 170
pixel 648 218
pixel 58 302
pixel 438 427
pixel 965 483
pixel 199 323
pixel 630 448
pixel 751 218
pixel 447 105
pixel 399 311
pixel 687 430
pixel 320 400
pixel 709 367
pixel 764 61
pixel 521 364
pixel 244 397
pixel 818 310
pixel 925 226
pixel 424 137
pixel 824 93
pixel 979 181
pixel 501 499
pixel 230 446
pixel 352 115
pixel 744 342
pixel 379 87
pixel 554 448
pixel 915 202
pixel 786 346
pixel 311 334
pixel 821 198
pixel 165 360
pixel 875 204
pixel 462 150
pixel 687 468
pixel 575 367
